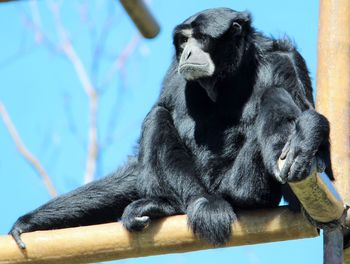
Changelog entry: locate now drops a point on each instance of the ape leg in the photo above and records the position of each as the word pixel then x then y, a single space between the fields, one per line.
pixel 175 178
pixel 248 184
pixel 210 217
pixel 275 124
pixel 138 214
pixel 306 134
pixel 101 201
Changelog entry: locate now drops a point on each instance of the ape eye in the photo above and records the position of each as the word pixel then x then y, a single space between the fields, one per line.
pixel 183 39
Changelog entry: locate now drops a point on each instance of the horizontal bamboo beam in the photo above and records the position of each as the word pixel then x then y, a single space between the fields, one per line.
pixel 169 235
pixel 142 18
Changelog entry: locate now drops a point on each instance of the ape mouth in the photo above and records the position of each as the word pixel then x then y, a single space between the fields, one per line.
pixel 194 71
pixel 201 67
pixel 194 65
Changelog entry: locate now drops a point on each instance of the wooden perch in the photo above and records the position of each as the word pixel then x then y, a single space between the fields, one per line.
pixel 318 196
pixel 333 90
pixel 170 235
pixel 323 203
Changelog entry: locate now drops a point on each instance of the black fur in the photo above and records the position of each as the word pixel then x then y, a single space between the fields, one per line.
pixel 206 157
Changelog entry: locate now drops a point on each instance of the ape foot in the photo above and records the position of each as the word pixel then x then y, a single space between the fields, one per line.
pixel 298 164
pixel 21 226
pixel 137 223
pixel 138 214
pixel 306 143
pixel 210 218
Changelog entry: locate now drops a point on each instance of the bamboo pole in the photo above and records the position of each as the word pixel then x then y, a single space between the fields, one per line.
pixel 141 17
pixel 333 94
pixel 323 203
pixel 333 85
pixel 170 235
pixel 318 196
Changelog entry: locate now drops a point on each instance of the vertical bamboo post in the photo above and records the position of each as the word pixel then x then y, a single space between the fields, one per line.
pixel 333 246
pixel 333 85
pixel 333 101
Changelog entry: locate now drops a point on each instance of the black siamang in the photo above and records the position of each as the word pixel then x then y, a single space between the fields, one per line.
pixel 233 102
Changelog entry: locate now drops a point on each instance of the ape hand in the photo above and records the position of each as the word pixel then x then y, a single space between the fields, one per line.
pixel 210 218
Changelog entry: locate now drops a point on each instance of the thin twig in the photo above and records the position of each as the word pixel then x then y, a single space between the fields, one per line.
pixel 89 89
pixel 27 155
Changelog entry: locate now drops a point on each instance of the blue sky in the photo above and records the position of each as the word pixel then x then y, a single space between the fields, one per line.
pixel 49 108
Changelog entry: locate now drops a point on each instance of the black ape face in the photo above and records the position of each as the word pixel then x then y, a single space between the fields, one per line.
pixel 199 37
pixel 209 44
pixel 195 62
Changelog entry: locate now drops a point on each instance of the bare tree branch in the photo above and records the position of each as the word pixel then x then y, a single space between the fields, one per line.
pixel 121 59
pixel 27 155
pixel 89 89
pixel 39 36
pixel 33 22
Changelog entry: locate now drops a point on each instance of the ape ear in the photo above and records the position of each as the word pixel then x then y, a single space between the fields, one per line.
pixel 242 20
pixel 237 28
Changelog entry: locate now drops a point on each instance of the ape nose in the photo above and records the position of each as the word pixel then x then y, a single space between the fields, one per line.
pixel 188 55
